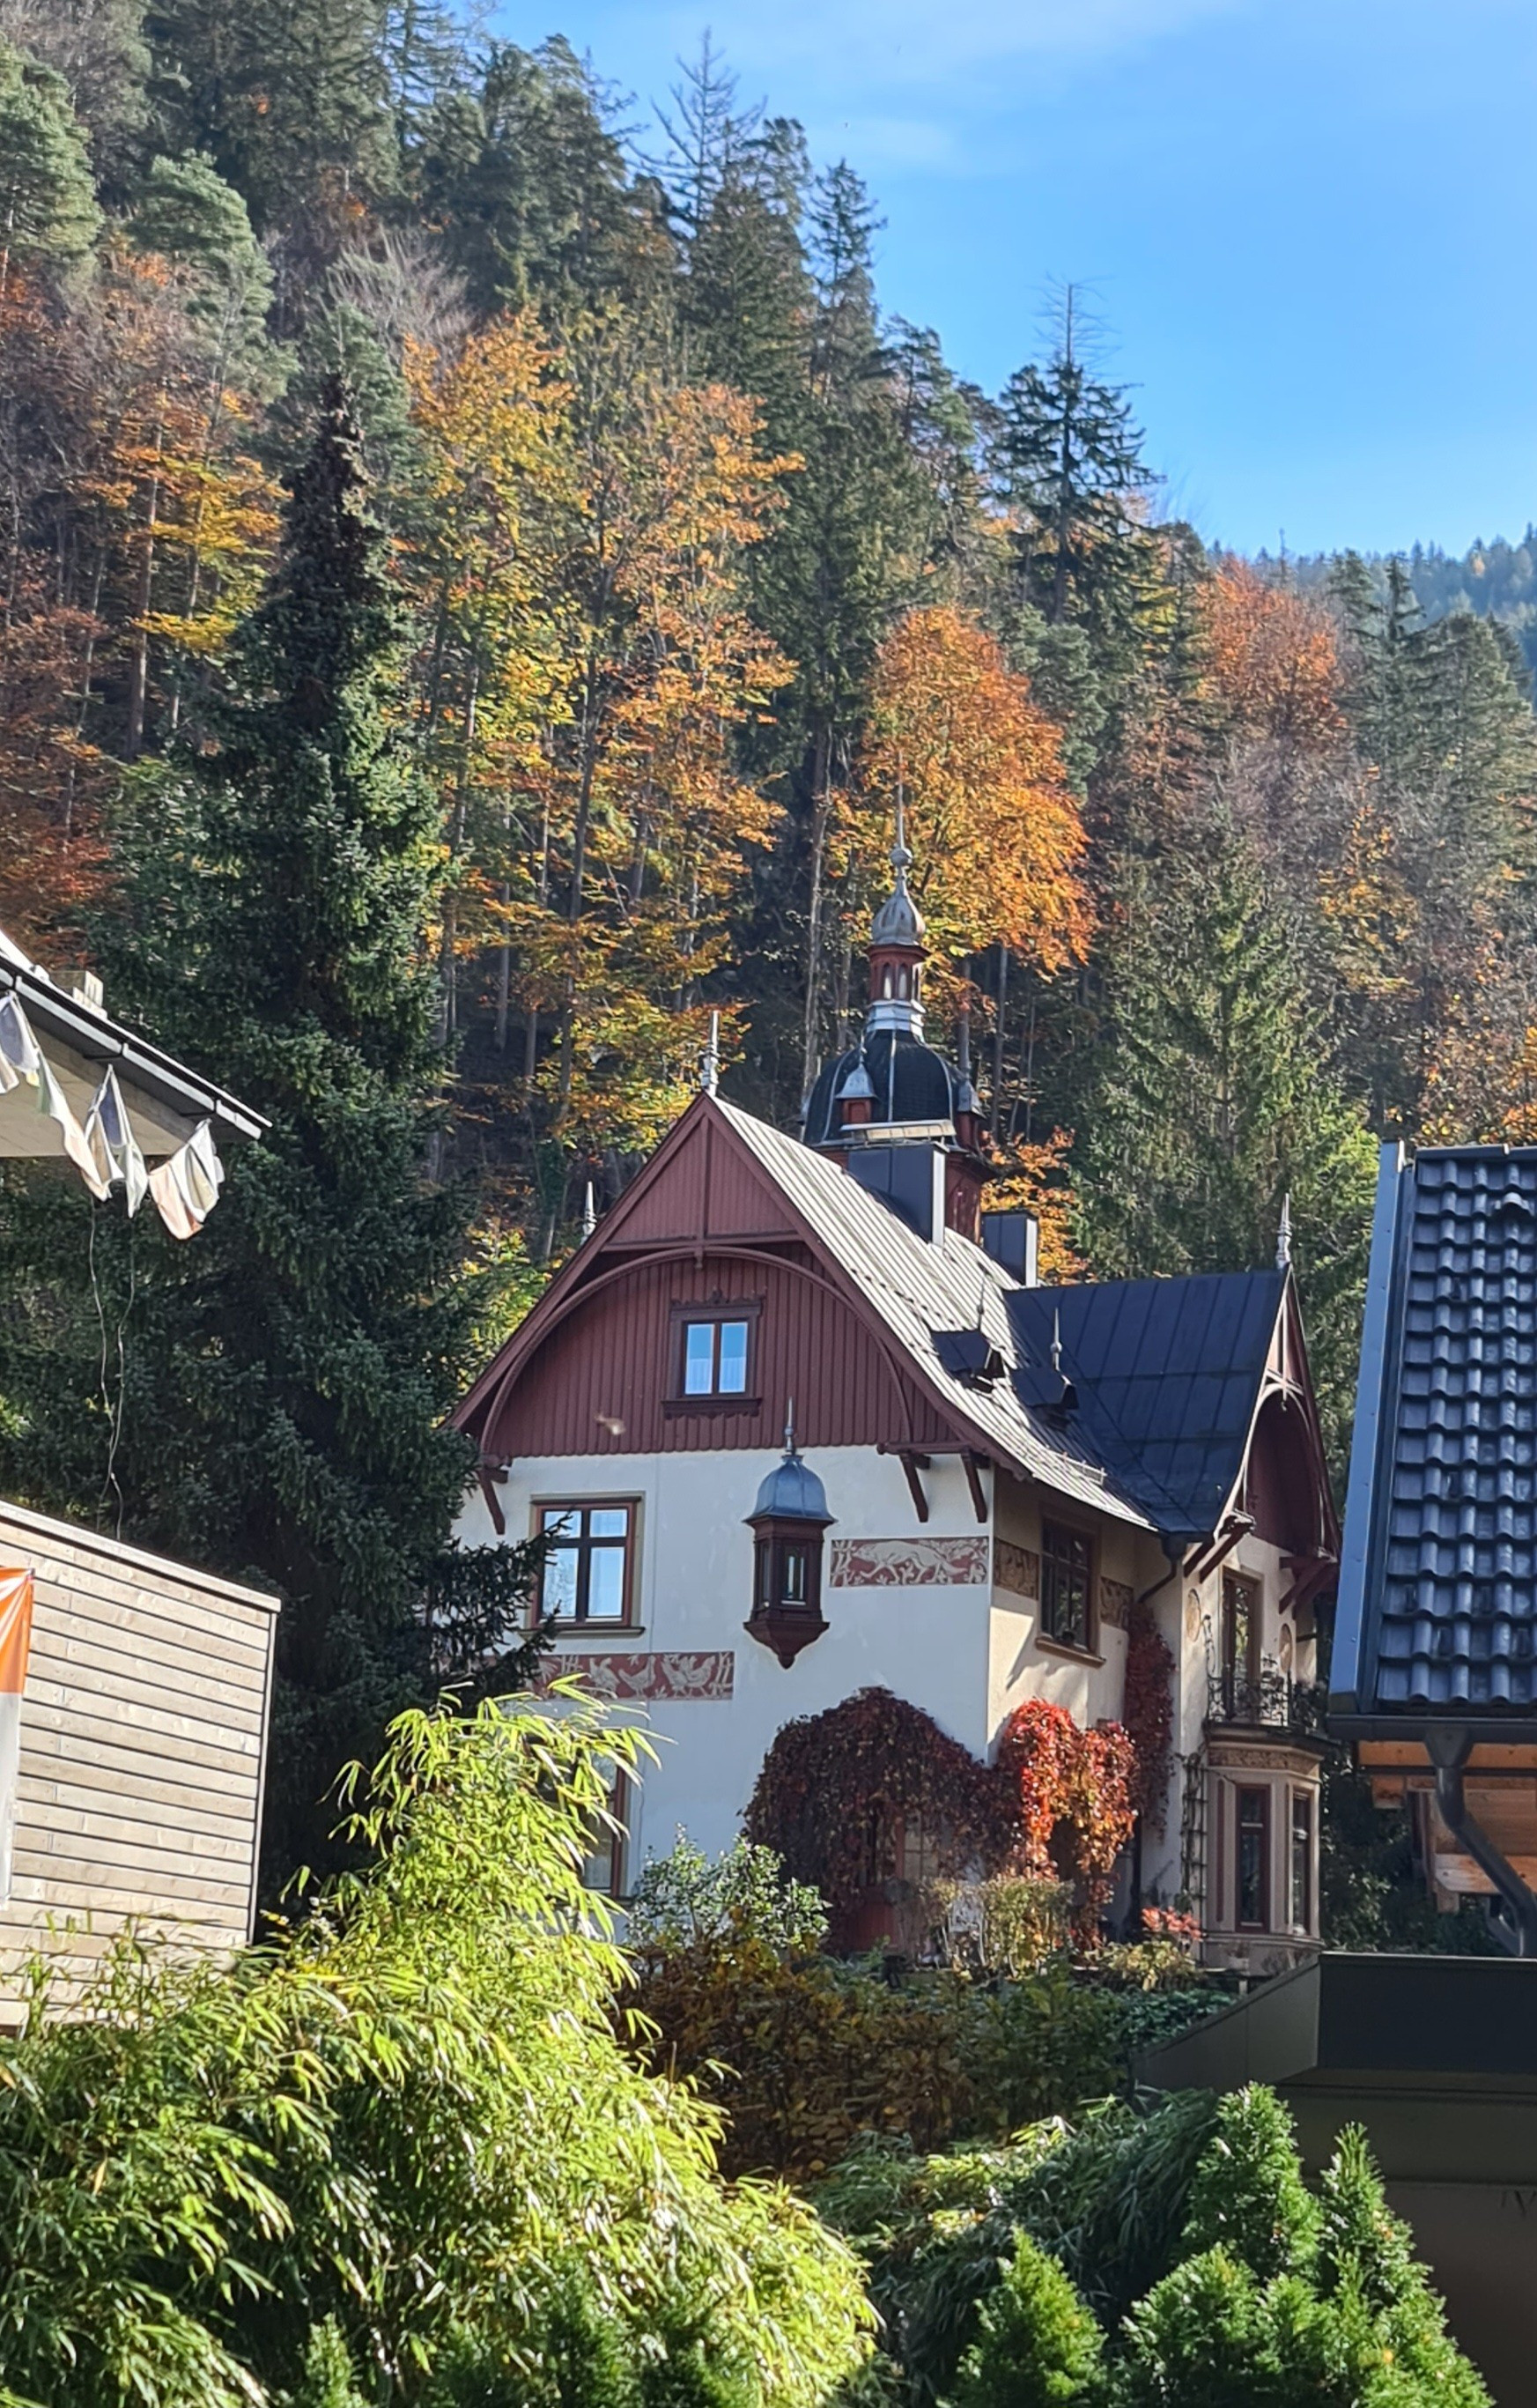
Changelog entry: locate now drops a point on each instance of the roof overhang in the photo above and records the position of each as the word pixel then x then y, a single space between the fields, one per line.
pixel 166 1100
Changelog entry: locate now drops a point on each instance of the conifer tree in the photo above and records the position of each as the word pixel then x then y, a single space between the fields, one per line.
pixel 287 1370
pixel 49 217
pixel 1214 1095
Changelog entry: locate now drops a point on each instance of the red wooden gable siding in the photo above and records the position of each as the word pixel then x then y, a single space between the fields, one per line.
pixel 611 1360
pixel 709 1227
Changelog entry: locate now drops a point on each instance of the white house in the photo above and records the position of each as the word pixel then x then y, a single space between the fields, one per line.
pixel 1012 1473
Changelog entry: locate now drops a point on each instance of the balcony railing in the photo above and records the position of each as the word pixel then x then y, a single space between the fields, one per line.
pixel 1269 1700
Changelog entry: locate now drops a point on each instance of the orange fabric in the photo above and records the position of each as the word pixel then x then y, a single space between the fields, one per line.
pixel 15 1627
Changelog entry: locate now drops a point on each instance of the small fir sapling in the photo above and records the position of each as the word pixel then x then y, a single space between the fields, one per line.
pixel 1037 2345
pixel 1249 2197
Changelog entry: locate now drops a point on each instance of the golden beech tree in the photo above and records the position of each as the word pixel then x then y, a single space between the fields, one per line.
pixel 998 841
pixel 645 828
pixel 483 562
pixel 1273 661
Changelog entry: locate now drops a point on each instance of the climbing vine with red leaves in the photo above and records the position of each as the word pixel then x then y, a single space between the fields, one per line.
pixel 1148 1714
pixel 1071 1792
pixel 835 1787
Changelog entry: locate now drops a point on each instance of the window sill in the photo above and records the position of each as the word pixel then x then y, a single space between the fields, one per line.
pixel 563 1633
pixel 1069 1654
pixel 674 1408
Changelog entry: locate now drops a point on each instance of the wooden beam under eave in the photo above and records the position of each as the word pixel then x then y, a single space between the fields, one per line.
pixel 973 1481
pixel 912 1465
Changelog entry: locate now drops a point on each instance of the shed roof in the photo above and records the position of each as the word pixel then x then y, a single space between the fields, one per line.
pixel 1438 1589
pixel 1166 1375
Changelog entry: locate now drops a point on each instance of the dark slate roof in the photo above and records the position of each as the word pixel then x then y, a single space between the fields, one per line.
pixel 912 1083
pixel 1438 1588
pixel 1165 1375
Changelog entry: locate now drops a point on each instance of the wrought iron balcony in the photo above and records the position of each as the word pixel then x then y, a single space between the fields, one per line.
pixel 1269 1700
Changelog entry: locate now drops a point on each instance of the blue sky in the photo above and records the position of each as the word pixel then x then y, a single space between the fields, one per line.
pixel 1311 225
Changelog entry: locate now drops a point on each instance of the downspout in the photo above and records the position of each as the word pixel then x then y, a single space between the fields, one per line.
pixel 1448 1749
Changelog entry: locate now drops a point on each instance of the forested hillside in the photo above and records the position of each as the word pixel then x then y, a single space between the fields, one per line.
pixel 475 588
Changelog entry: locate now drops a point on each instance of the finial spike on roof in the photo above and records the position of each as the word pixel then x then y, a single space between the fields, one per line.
pixel 589 1214
pixel 1056 1340
pixel 1283 1235
pixel 789 1427
pixel 710 1076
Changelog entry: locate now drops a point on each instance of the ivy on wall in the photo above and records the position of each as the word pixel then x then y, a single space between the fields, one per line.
pixel 1148 1714
pixel 837 1789
pixel 1070 1793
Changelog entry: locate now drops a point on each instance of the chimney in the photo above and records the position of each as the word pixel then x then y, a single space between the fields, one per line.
pixel 909 1179
pixel 1014 1242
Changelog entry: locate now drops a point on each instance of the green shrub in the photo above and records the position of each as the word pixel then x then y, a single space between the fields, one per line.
pixel 327 2378
pixel 1037 2345
pixel 687 1899
pixel 401 2114
pixel 1248 2196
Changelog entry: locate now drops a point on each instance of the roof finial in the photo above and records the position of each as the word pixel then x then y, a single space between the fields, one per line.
pixel 710 1076
pixel 1283 1235
pixel 901 860
pixel 589 1214
pixel 1057 1341
pixel 789 1427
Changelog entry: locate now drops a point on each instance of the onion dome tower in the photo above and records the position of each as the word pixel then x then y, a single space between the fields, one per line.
pixel 893 1088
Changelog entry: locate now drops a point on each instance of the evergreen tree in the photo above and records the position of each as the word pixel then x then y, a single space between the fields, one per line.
pixel 1070 461
pixel 1249 2197
pixel 288 1370
pixel 1037 2345
pixel 49 218
pixel 1214 1095
pixel 96 47
pixel 188 215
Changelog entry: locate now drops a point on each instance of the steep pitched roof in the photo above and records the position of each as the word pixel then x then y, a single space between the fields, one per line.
pixel 1167 1375
pixel 919 1290
pixel 1438 1588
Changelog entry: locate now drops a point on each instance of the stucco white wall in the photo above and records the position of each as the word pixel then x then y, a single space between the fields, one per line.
pixel 931 1646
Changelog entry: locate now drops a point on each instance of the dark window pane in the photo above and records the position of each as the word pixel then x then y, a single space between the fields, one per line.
pixel 1302 1859
pixel 733 1378
pixel 1253 1852
pixel 698 1358
pixel 1064 1584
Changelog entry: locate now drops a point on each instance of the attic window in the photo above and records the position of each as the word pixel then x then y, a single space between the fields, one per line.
pixel 970 1357
pixel 713 1351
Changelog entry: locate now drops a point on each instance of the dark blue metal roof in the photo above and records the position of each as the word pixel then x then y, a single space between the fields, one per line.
pixel 1165 1375
pixel 1438 1589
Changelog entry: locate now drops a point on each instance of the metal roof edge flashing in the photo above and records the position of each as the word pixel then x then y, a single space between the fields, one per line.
pixel 1363 1502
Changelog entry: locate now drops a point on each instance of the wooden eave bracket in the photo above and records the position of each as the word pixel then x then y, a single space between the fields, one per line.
pixel 492 1476
pixel 913 1463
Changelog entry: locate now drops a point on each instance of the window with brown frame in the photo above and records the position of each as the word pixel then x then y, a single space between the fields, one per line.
pixel 1067 1585
pixel 607 1863
pixel 714 1347
pixel 587 1574
pixel 1252 1902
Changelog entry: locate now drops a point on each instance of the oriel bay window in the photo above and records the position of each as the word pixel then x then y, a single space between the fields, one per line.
pixel 586 1577
pixel 1066 1572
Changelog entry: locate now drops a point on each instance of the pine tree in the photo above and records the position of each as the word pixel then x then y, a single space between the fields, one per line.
pixel 1249 2197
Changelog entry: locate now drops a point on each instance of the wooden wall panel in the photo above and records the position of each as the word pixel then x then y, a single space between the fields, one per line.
pixel 143 1735
pixel 600 1382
